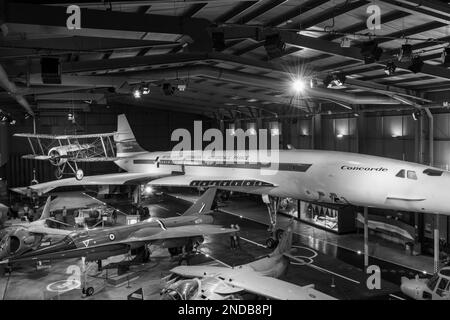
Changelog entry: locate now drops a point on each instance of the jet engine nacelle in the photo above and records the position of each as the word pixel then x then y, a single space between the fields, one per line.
pixel 17 242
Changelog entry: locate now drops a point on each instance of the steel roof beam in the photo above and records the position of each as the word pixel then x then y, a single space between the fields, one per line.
pixel 422 8
pixel 107 23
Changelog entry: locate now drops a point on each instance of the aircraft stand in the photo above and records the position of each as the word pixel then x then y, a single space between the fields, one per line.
pixel 366 237
pixel 272 203
pixel 436 243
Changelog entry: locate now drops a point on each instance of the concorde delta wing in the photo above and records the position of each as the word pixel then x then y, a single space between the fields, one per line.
pixel 228 183
pixel 106 179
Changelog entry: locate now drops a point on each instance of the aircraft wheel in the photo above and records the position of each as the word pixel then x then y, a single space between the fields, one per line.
pixel 279 234
pixel 146 255
pixel 58 173
pixel 79 175
pixel 271 243
pixel 89 291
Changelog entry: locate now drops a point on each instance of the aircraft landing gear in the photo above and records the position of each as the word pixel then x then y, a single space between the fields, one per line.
pixel 272 203
pixel 99 265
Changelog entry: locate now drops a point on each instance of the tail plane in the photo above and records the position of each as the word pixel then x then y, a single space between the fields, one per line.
pixel 285 244
pixel 46 211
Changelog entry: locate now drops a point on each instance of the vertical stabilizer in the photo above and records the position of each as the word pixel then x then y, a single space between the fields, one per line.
pixel 285 244
pixel 203 204
pixel 125 140
pixel 46 211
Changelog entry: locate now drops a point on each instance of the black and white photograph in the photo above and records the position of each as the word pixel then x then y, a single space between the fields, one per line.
pixel 240 151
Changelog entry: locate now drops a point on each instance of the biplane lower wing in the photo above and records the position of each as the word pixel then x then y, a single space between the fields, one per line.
pixel 126 178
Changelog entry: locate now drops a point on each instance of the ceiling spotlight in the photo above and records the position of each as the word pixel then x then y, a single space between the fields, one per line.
pixel 334 80
pixel 406 53
pixel 390 68
pixel 181 87
pixel 145 89
pixel 274 45
pixel 370 51
pixel 416 64
pixel 445 57
pixel 137 93
pixel 346 42
pixel 298 85
pixel 416 115
pixel 12 122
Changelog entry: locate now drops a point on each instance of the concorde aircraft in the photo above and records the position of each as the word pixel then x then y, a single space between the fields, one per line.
pixel 254 279
pixel 173 233
pixel 309 175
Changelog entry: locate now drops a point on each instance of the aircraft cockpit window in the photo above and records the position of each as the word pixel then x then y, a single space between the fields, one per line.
pixel 433 172
pixel 401 174
pixel 441 288
pixel 184 290
pixel 431 284
pixel 412 175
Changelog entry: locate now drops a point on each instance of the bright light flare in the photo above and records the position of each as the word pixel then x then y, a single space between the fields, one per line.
pixel 137 93
pixel 298 85
pixel 148 190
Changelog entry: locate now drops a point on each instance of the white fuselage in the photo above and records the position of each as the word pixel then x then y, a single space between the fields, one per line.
pixel 320 176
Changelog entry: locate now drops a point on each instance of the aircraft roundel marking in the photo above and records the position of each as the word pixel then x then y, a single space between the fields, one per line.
pixel 112 236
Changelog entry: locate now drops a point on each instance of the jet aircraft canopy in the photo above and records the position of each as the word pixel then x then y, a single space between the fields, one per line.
pixel 440 282
pixel 182 290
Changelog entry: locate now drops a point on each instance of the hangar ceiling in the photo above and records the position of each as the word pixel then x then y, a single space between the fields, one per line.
pixel 225 59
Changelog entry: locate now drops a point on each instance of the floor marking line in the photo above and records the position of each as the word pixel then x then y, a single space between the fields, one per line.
pixel 217 260
pixel 334 273
pixel 161 207
pixel 396 297
pixel 253 242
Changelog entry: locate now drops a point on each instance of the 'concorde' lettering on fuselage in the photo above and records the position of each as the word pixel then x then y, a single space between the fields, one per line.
pixel 364 168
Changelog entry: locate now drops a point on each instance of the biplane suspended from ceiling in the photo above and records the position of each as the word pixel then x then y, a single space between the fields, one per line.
pixel 65 152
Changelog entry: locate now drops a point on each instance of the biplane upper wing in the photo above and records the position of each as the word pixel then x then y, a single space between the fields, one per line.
pixel 63 137
pixel 130 178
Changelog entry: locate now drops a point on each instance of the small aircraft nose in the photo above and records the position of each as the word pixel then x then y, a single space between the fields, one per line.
pixel 409 287
pixel 5 247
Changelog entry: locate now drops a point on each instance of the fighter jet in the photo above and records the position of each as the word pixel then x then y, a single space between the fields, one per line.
pixel 252 280
pixel 174 233
pixel 435 288
pixel 309 175
pixel 21 237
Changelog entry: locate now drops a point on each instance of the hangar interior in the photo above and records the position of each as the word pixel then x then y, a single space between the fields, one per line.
pixel 356 76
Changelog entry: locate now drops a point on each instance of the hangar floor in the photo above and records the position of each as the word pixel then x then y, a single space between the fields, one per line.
pixel 342 275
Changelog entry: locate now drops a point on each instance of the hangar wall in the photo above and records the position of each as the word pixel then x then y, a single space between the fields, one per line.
pixel 152 128
pixel 393 136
